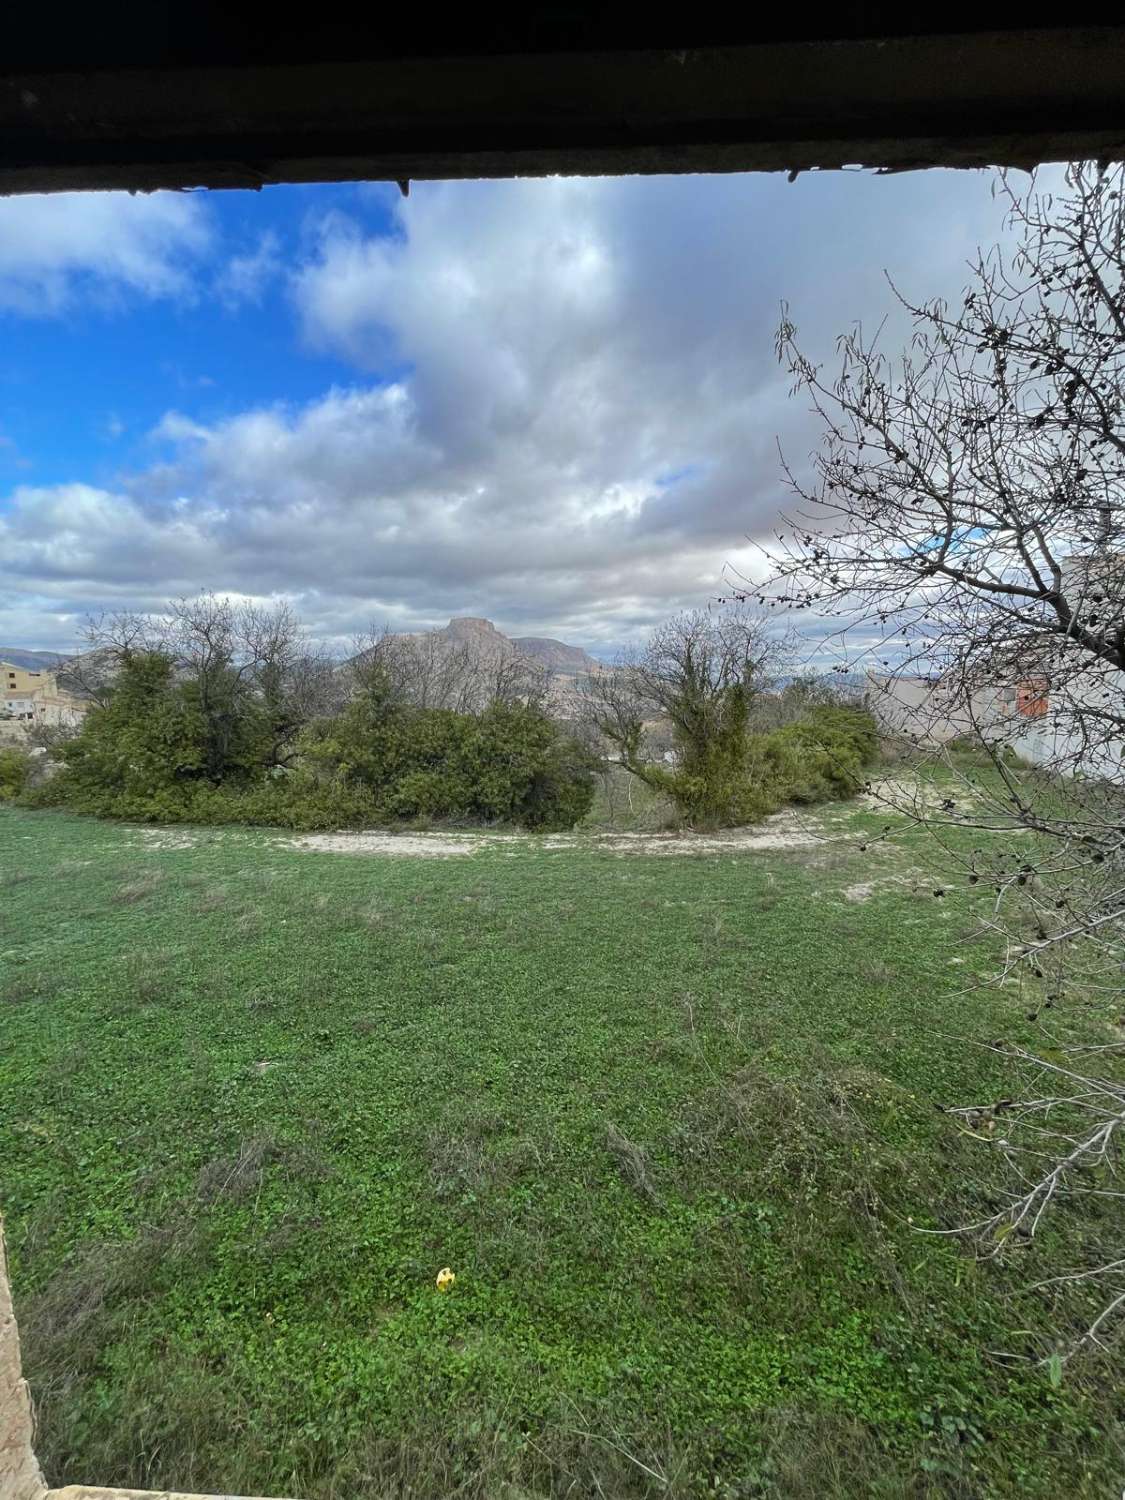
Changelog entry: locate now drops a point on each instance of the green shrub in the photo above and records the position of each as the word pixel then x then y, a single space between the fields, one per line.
pixel 14 769
pixel 149 738
pixel 824 756
pixel 855 725
pixel 299 803
pixel 148 756
pixel 145 756
pixel 818 759
pixel 972 750
pixel 507 764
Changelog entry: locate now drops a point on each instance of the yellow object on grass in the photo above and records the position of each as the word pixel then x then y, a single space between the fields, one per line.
pixel 445 1279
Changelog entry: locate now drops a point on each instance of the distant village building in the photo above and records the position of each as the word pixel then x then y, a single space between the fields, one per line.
pixel 1041 725
pixel 59 709
pixel 34 698
pixel 19 705
pixel 19 681
pixel 1062 713
pixel 927 710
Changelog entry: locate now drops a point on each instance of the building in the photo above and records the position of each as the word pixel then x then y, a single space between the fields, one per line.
pixel 19 705
pixel 59 709
pixel 20 680
pixel 36 698
pixel 927 710
pixel 1056 724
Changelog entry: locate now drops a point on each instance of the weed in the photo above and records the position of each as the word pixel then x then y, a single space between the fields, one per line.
pixel 877 971
pixel 149 975
pixel 248 922
pixel 239 1174
pixel 212 898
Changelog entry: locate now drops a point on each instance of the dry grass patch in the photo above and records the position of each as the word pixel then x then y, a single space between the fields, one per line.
pixel 633 1162
pixel 877 971
pixel 66 1325
pixel 241 1173
pixel 140 886
pixel 213 897
pixel 26 985
pixel 149 975
pixel 249 922
pixel 478 1156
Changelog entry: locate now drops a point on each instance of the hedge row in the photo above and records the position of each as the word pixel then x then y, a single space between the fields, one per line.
pixel 378 761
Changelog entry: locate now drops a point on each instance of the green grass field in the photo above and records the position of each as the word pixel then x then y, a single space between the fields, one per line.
pixel 670 1120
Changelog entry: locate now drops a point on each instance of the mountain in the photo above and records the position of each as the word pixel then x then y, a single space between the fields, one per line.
pixel 480 635
pixel 465 662
pixel 485 641
pixel 31 661
pixel 556 656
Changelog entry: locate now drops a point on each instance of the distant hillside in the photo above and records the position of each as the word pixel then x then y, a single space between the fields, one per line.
pixel 31 661
pixel 486 642
pixel 556 656
pixel 463 662
pixel 470 630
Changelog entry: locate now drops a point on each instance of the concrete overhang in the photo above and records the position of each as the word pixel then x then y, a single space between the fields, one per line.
pixel 178 96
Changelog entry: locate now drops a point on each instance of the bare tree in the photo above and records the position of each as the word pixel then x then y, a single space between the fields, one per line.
pixel 696 678
pixel 966 516
pixel 240 659
pixel 110 639
pixel 292 679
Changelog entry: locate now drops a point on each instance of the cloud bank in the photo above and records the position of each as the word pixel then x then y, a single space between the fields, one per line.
pixel 58 250
pixel 563 413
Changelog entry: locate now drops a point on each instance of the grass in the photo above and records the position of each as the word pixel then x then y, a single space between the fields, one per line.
pixel 670 1120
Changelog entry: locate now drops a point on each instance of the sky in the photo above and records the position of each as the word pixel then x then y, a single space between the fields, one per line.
pixel 554 403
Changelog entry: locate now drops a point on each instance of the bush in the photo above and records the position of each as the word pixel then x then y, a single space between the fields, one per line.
pixel 508 764
pixel 14 770
pixel 818 759
pixel 971 749
pixel 823 757
pixel 381 760
pixel 299 803
pixel 147 740
pixel 145 756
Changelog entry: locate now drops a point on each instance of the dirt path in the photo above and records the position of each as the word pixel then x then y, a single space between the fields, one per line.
pixel 785 830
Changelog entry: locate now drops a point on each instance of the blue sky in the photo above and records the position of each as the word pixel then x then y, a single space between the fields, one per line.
pixel 83 390
pixel 554 403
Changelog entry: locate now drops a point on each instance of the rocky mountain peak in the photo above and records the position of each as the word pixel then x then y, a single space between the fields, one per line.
pixel 472 628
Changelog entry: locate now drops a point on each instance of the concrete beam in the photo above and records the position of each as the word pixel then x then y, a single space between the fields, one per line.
pixel 1012 97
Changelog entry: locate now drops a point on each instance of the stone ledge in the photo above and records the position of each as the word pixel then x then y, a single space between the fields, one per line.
pixel 20 1478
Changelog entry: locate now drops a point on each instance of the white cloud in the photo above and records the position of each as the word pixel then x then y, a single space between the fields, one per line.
pixel 245 278
pixel 578 430
pixel 100 246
